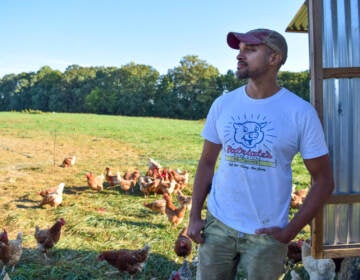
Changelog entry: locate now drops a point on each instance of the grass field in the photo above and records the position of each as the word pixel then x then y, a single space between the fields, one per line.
pixel 33 145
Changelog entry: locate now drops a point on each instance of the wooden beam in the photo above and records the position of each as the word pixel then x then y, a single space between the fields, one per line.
pixel 341 72
pixel 343 199
pixel 341 253
pixel 315 33
pixel 317 231
pixel 315 16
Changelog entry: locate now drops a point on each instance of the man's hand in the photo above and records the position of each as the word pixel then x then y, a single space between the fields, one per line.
pixel 195 229
pixel 276 232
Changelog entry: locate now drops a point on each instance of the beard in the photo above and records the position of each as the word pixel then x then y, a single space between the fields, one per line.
pixel 244 74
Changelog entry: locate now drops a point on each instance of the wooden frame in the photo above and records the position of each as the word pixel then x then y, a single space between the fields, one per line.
pixel 317 75
pixel 316 90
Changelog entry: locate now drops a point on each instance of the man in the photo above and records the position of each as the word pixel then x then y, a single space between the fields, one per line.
pixel 258 128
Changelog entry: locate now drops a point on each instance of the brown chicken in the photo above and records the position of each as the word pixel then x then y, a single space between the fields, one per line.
pixel 127 185
pixel 183 244
pixel 10 251
pixel 169 202
pixel 113 180
pixel 294 251
pixel 175 216
pixel 95 182
pixel 155 170
pixel 156 206
pixel 47 238
pixel 184 199
pixel 297 198
pixel 148 185
pixel 132 175
pixel 180 177
pixel 68 161
pixel 167 185
pixel 52 196
pixel 125 260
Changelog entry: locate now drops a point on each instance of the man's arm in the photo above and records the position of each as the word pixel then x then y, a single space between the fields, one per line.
pixel 202 183
pixel 321 188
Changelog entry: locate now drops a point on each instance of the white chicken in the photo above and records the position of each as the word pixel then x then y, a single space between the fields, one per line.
pixel 318 269
pixel 52 196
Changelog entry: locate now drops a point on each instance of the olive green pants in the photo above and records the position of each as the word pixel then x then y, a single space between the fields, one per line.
pixel 228 254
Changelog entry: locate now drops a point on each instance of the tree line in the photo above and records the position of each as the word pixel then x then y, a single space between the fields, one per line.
pixel 184 92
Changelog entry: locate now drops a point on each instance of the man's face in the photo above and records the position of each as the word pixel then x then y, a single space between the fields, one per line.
pixel 252 60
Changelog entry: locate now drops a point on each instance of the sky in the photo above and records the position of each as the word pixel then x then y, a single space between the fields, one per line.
pixel 158 33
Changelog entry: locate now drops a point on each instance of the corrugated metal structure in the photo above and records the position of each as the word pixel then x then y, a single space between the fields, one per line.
pixel 341 41
pixel 334 34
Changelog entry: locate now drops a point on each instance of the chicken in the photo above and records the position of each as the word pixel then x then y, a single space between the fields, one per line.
pixel 153 164
pixel 317 269
pixel 294 251
pixel 156 206
pixel 181 177
pixel 68 161
pixel 183 199
pixel 154 169
pixel 47 238
pixel 10 251
pixel 169 201
pixel 297 198
pixel 183 273
pixel 95 182
pixel 4 250
pixel 52 196
pixel 132 175
pixel 113 180
pixel 126 260
pixel 148 185
pixel 126 185
pixel 349 268
pixel 175 216
pixel 167 186
pixel 183 244
pixel 294 275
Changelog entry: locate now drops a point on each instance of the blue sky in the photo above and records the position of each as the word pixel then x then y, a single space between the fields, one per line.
pixel 159 33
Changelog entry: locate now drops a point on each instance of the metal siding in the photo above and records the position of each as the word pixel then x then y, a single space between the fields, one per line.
pixel 341 41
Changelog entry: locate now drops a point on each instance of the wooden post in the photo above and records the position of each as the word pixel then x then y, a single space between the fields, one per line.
pixel 315 15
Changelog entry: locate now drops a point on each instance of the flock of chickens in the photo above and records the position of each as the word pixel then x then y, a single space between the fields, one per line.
pixel 157 180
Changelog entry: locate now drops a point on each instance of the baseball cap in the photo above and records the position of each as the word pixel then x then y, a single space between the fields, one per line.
pixel 270 38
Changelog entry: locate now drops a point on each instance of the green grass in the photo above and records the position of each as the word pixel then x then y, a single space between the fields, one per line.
pixel 31 148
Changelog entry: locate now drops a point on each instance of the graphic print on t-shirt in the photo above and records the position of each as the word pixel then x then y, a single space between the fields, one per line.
pixel 249 142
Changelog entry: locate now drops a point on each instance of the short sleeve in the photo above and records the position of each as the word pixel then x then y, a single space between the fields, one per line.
pixel 312 139
pixel 209 131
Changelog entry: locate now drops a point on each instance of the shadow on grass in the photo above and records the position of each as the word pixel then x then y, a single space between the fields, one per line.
pixel 75 189
pixel 102 221
pixel 84 264
pixel 25 203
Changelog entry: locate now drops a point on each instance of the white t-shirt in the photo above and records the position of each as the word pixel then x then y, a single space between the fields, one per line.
pixel 252 186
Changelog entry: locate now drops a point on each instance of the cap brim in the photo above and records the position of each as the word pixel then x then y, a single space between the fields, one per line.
pixel 234 39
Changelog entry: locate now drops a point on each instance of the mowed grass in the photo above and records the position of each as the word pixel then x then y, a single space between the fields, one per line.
pixel 32 147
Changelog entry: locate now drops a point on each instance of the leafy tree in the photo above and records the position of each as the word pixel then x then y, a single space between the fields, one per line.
pixel 193 80
pixel 7 91
pixel 185 92
pixel 77 83
pixel 135 89
pixel 164 97
pixel 297 82
pixel 45 89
